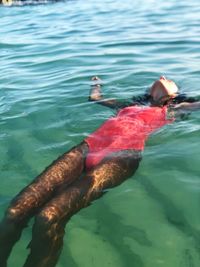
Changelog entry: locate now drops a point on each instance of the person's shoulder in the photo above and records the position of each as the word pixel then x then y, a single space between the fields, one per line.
pixel 141 99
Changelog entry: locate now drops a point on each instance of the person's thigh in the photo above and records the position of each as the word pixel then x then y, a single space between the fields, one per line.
pixel 48 229
pixel 66 169
pixel 111 172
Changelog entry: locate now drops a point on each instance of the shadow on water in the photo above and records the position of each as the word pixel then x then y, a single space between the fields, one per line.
pixel 114 234
pixel 19 164
pixel 187 260
pixel 129 257
pixel 69 259
pixel 176 218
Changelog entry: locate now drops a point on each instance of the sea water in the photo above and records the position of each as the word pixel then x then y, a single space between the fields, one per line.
pixel 48 55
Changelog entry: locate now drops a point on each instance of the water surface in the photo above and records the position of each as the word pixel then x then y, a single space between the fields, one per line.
pixel 48 55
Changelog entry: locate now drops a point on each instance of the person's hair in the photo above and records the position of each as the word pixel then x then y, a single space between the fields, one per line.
pixel 146 97
pixel 141 99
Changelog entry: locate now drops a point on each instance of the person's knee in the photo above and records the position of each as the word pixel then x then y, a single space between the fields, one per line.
pixel 14 215
pixel 47 219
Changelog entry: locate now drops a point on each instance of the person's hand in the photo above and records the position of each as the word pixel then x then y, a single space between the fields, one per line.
pixel 95 93
pixel 96 80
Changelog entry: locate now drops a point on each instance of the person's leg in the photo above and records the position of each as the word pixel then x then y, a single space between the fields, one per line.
pixel 64 170
pixel 48 230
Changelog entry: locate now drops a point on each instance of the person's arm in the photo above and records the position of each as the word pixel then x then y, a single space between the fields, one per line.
pixel 184 107
pixel 96 95
pixel 182 110
pixel 183 98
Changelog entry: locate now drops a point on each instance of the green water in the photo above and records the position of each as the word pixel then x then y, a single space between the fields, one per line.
pixel 48 55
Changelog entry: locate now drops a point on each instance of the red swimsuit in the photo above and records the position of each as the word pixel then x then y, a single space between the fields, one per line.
pixel 128 130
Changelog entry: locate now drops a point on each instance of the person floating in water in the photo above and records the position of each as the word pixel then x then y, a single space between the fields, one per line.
pixel 105 159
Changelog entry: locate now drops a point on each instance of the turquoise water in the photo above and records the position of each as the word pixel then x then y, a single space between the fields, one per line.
pixel 48 55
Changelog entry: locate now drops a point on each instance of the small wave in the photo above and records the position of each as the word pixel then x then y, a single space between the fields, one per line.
pixel 27 2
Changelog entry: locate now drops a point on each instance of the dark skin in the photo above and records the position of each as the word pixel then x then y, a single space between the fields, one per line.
pixel 64 188
pixel 59 198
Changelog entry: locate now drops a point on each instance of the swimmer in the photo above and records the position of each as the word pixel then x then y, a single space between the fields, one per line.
pixel 105 159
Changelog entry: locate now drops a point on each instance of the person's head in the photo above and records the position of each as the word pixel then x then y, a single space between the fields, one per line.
pixel 162 91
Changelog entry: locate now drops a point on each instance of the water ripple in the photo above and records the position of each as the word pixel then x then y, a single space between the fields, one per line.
pixel 49 52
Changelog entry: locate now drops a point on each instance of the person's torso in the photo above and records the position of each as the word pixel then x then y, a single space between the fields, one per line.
pixel 128 130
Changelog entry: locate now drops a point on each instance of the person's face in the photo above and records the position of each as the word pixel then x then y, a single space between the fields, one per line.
pixel 162 90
